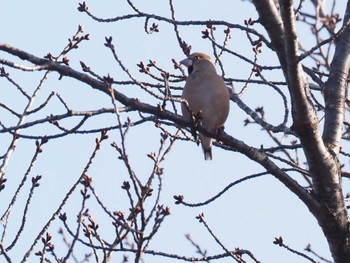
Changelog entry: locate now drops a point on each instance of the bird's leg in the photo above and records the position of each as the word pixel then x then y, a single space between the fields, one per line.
pixel 195 136
pixel 219 130
pixel 196 120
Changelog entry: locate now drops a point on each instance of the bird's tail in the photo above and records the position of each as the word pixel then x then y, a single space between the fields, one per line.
pixel 207 154
pixel 206 146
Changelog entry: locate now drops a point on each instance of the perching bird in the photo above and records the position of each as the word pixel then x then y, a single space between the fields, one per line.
pixel 206 95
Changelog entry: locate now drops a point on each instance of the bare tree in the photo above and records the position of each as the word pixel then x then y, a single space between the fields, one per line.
pixel 313 88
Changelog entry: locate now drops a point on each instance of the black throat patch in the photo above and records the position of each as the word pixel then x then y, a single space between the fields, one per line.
pixel 190 69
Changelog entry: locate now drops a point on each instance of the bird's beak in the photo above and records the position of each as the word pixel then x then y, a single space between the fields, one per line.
pixel 186 62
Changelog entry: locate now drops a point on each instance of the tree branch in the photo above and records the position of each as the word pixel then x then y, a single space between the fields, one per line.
pixel 336 87
pixel 270 19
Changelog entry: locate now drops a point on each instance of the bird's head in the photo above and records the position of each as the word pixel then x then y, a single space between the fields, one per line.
pixel 197 61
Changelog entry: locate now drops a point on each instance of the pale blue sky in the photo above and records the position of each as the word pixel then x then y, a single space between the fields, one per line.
pixel 248 216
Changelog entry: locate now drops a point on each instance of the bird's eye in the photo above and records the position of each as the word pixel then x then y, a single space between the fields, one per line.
pixel 196 58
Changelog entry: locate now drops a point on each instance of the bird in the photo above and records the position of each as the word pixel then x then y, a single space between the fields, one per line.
pixel 205 97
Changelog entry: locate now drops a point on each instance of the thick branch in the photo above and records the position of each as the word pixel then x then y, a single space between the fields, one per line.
pixel 305 121
pixel 303 112
pixel 336 88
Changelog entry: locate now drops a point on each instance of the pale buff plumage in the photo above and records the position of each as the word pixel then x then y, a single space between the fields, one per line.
pixel 206 94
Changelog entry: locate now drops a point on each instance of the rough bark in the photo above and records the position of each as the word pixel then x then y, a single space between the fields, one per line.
pixel 336 88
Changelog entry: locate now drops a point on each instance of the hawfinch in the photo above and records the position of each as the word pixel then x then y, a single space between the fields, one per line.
pixel 205 95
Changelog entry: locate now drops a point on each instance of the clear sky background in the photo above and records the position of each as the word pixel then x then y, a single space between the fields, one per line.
pixel 248 216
